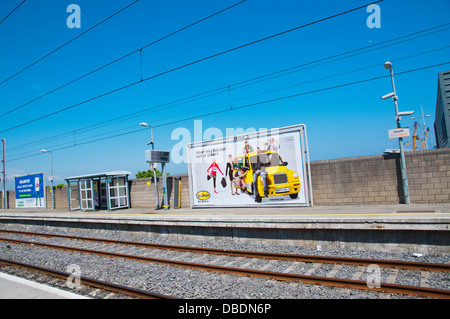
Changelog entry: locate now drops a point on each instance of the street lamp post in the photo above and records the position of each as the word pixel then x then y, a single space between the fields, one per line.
pixel 4 193
pixel 388 65
pixel 154 168
pixel 51 180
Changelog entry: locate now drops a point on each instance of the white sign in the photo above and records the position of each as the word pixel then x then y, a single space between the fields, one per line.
pixel 399 132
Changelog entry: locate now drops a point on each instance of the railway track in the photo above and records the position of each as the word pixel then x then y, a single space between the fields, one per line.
pixel 284 276
pixel 253 254
pixel 109 286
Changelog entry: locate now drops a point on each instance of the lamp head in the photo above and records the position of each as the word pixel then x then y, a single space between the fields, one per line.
pixel 388 65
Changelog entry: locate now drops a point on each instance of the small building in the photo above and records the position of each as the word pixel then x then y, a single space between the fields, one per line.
pixel 107 190
pixel 442 119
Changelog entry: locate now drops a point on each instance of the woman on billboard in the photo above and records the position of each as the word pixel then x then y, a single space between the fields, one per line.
pixel 214 167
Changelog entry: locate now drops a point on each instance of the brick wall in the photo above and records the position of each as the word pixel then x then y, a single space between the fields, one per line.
pixel 61 201
pixel 429 176
pixel 349 181
pixel 377 179
pixel 61 198
pixel 142 192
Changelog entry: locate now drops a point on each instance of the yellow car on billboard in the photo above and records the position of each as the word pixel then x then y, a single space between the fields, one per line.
pixel 280 179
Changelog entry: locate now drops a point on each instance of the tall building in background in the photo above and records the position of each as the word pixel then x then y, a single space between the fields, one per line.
pixel 442 120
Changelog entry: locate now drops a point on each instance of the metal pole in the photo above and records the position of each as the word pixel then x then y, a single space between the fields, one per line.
pixel 154 173
pixel 400 142
pixel 5 200
pixel 92 194
pixel 128 192
pixel 51 169
pixel 108 199
pixel 69 195
pixel 80 203
pixel 164 178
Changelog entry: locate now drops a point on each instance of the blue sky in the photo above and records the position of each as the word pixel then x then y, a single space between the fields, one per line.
pixel 342 122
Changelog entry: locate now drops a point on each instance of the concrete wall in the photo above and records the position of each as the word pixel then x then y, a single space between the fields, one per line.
pixel 142 192
pixel 350 181
pixel 61 196
pixel 377 179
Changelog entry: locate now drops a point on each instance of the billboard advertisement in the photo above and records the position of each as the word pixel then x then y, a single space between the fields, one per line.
pixel 266 168
pixel 30 191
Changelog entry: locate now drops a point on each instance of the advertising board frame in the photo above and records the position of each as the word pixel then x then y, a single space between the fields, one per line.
pixel 302 163
pixel 25 202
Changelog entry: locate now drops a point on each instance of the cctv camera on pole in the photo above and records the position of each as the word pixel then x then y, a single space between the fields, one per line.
pixel 387 96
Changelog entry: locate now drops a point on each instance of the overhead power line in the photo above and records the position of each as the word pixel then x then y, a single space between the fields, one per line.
pixel 343 55
pixel 176 103
pixel 189 64
pixel 68 42
pixel 122 57
pixel 12 11
pixel 245 106
pixel 244 83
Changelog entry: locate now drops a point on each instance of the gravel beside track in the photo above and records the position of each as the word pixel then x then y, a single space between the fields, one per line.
pixel 190 283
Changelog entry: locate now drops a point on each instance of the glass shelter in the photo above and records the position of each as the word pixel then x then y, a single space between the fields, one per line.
pixel 107 190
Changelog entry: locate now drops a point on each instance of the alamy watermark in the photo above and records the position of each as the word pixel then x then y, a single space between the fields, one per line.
pixel 184 136
pixel 374 19
pixel 74 20
pixel 74 280
pixel 374 277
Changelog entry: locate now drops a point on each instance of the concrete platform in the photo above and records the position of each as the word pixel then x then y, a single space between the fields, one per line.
pixel 12 287
pixel 413 228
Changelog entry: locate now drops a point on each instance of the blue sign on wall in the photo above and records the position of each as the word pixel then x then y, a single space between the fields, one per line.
pixel 30 191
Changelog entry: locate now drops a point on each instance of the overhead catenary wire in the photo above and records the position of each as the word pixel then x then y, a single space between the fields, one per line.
pixel 240 84
pixel 245 106
pixel 167 105
pixel 189 64
pixel 17 7
pixel 355 52
pixel 414 35
pixel 401 39
pixel 123 57
pixel 68 42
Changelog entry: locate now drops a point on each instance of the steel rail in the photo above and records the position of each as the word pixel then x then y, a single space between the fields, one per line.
pixel 134 292
pixel 336 282
pixel 252 254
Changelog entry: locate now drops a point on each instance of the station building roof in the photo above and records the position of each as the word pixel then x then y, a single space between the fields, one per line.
pixel 99 175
